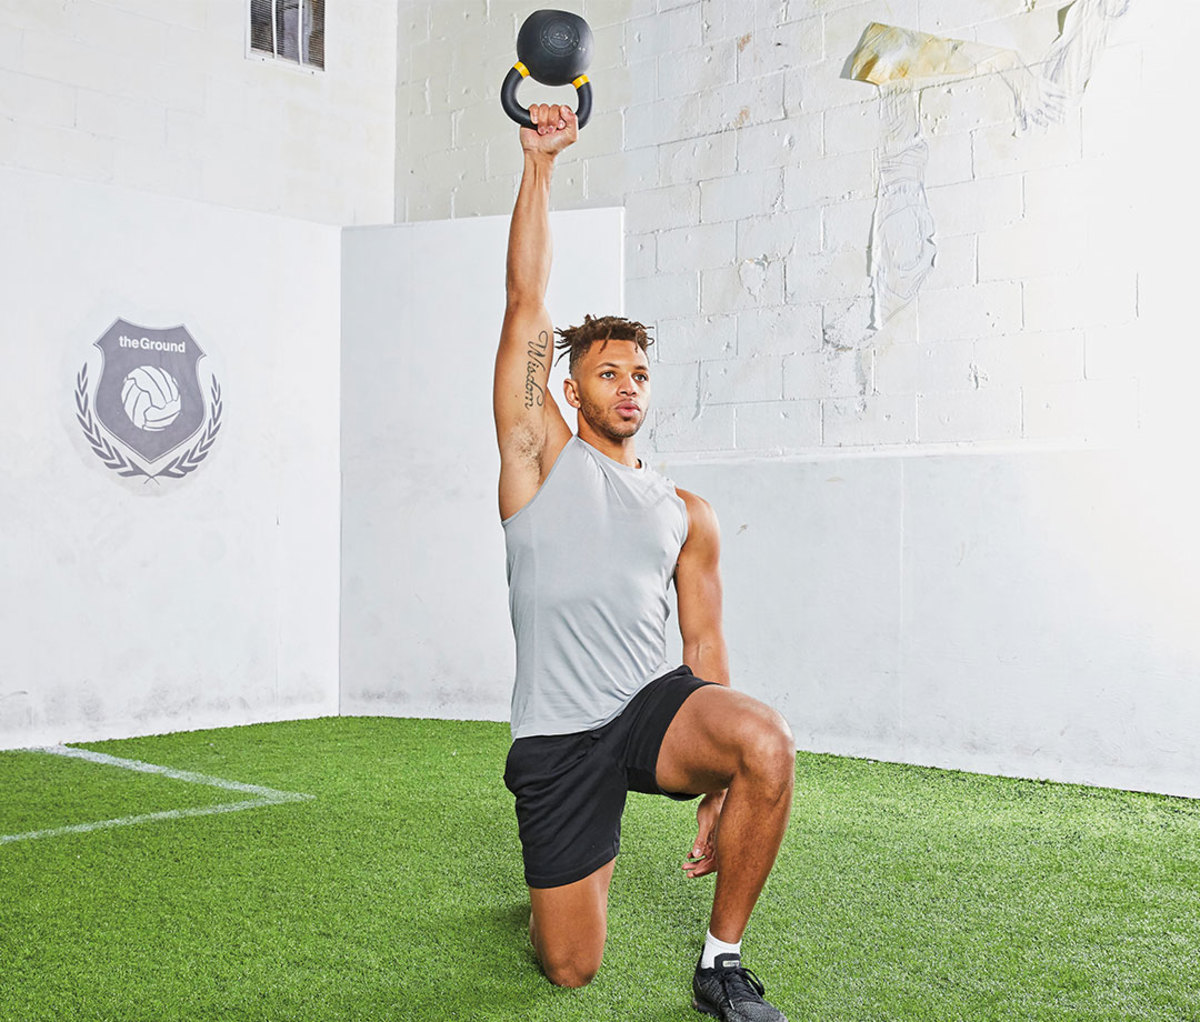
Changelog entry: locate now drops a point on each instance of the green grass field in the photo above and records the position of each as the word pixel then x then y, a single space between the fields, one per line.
pixel 396 891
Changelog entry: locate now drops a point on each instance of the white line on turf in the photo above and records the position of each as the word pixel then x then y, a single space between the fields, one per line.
pixel 177 775
pixel 266 796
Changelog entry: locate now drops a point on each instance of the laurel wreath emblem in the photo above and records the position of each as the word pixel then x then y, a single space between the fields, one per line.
pixel 177 468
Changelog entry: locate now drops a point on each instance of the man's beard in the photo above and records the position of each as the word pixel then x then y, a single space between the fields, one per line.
pixel 595 417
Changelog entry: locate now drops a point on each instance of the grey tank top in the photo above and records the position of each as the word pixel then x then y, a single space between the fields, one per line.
pixel 590 563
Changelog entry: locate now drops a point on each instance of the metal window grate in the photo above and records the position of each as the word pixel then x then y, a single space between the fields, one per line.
pixel 291 30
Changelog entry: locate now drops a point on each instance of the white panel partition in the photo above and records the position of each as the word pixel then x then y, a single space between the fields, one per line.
pixel 425 628
pixel 1030 614
pixel 131 606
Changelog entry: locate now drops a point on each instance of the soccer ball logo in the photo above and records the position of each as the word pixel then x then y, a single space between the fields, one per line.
pixel 148 416
pixel 150 397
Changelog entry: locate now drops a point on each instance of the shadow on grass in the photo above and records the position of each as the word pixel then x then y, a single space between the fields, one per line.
pixel 493 975
pixel 480 964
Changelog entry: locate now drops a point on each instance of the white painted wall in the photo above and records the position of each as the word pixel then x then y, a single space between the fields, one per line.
pixel 133 607
pixel 162 96
pixel 1020 613
pixel 1046 366
pixel 988 580
pixel 748 167
pixel 425 628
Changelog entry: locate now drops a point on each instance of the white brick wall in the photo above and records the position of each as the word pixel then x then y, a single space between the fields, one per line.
pixel 748 168
pixel 162 97
pixel 774 427
pixel 700 247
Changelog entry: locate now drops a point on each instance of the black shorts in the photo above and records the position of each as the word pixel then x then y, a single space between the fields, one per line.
pixel 570 789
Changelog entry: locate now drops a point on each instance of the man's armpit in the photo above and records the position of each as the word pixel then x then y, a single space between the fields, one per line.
pixel 524 444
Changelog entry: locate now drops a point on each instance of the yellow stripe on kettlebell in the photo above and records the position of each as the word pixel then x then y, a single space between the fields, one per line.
pixel 522 69
pixel 580 81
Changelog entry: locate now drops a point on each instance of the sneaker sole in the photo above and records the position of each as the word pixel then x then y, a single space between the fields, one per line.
pixel 704 1009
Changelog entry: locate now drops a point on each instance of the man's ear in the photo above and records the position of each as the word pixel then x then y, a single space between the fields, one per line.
pixel 571 393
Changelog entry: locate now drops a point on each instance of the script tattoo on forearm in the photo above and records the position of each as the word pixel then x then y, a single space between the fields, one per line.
pixel 538 352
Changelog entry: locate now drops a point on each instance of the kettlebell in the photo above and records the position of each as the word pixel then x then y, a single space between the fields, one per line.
pixel 554 48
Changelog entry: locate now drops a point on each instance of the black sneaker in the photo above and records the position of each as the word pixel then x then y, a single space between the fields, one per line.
pixel 732 993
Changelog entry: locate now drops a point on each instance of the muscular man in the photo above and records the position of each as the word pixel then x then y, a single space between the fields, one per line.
pixel 595 538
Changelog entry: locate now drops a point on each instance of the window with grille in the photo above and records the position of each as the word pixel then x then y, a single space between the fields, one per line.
pixel 292 30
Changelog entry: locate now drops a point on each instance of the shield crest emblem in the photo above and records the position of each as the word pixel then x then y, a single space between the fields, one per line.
pixel 149 394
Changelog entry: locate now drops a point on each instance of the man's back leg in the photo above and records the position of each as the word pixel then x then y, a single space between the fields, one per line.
pixel 568 926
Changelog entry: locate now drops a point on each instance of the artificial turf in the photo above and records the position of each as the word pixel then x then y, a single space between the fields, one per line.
pixel 396 892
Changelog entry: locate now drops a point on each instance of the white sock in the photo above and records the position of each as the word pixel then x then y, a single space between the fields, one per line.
pixel 714 947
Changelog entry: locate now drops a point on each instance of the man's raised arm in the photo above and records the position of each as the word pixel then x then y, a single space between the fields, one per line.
pixel 529 427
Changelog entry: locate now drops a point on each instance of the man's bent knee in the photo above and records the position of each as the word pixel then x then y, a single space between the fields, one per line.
pixel 566 966
pixel 569 973
pixel 769 752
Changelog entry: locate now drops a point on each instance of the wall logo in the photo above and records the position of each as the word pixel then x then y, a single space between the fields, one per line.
pixel 147 415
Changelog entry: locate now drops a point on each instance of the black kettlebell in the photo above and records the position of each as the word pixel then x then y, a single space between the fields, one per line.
pixel 554 48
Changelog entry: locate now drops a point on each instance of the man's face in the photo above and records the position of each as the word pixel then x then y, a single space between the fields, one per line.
pixel 611 388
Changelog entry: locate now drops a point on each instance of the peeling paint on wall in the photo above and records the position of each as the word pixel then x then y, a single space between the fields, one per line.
pixel 900 62
pixel 1073 54
pixel 846 326
pixel 891 56
pixel 888 54
pixel 753 274
pixel 902 247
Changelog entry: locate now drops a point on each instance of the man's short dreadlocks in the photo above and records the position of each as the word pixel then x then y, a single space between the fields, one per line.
pixel 578 340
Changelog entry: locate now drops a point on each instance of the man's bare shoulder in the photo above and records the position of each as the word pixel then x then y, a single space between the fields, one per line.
pixel 702 519
pixel 694 501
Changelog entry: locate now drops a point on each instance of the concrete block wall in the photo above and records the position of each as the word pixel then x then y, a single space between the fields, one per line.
pixel 961 539
pixel 748 168
pixel 162 97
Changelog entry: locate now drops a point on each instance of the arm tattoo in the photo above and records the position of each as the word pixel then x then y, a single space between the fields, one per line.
pixel 538 352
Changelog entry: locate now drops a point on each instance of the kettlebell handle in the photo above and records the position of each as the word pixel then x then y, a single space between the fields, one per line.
pixel 512 81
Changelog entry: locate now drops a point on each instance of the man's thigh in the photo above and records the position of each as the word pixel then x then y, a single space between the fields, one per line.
pixel 569 798
pixel 709 737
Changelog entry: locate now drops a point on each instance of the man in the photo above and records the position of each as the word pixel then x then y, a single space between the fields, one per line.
pixel 595 540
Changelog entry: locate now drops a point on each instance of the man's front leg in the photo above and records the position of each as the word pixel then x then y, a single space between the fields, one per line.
pixel 725 740
pixel 719 739
pixel 568 926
